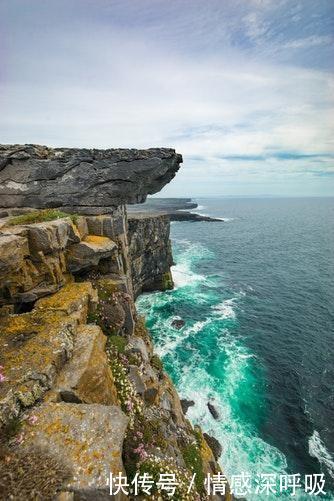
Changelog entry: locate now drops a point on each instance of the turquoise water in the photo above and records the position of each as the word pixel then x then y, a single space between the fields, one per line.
pixel 256 297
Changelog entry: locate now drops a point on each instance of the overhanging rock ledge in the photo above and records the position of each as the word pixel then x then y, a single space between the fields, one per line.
pixel 90 181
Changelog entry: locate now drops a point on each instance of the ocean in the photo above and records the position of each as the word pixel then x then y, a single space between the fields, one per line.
pixel 256 293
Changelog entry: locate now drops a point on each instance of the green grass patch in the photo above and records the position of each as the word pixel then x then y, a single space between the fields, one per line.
pixel 41 216
pixel 194 462
pixel 117 342
pixel 156 363
pixel 167 281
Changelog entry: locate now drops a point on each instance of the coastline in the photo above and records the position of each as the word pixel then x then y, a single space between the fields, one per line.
pixel 181 209
pixel 82 391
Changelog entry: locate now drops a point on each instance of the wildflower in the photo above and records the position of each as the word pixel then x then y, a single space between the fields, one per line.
pixel 19 439
pixel 32 419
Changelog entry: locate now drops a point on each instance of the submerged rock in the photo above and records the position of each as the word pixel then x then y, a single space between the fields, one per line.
pixel 178 323
pixel 213 411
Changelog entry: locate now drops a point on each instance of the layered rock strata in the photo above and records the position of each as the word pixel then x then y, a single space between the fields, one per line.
pixel 82 394
pixel 83 180
pixel 150 252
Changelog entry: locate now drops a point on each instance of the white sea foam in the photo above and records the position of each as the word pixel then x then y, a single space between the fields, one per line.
pixel 183 276
pixel 225 309
pixel 173 340
pixel 243 449
pixel 317 449
pixel 199 213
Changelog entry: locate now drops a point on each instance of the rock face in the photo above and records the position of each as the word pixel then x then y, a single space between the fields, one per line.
pixel 82 393
pixel 150 252
pixel 82 180
pixel 36 346
pixel 65 431
pixel 214 445
pixel 87 377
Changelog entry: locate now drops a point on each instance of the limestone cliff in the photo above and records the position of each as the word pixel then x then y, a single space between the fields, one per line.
pixel 90 181
pixel 150 252
pixel 82 393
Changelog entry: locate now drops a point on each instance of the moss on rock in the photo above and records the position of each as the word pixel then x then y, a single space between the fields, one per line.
pixel 40 216
pixel 167 281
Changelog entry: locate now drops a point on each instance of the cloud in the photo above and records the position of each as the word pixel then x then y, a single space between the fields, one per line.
pixel 305 43
pixel 114 73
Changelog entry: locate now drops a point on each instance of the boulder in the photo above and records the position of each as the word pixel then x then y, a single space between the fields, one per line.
pixel 150 395
pixel 82 180
pixel 51 236
pixel 178 323
pixel 108 225
pixel 185 404
pixel 110 316
pixel 88 253
pixel 13 250
pixel 137 345
pixel 87 377
pixel 88 439
pixel 213 411
pixel 136 379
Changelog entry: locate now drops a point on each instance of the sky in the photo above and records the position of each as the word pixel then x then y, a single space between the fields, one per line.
pixel 244 89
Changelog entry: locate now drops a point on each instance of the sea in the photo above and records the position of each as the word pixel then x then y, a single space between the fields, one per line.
pixel 256 293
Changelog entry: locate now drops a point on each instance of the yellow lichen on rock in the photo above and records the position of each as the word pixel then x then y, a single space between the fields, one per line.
pixel 34 347
pixel 73 299
pixel 96 240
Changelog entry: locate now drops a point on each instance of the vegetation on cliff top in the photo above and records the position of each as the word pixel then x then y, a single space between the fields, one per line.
pixel 40 216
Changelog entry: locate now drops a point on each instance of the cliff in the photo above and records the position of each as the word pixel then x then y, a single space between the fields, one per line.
pixel 82 393
pixel 89 181
pixel 150 252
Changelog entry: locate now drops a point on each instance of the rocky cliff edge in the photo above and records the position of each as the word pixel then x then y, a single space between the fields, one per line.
pixel 89 181
pixel 82 393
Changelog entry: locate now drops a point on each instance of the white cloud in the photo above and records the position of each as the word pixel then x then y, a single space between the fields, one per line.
pixel 305 43
pixel 112 86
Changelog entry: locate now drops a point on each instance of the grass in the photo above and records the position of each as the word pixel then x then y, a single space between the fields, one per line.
pixel 117 342
pixel 157 363
pixel 193 460
pixel 40 216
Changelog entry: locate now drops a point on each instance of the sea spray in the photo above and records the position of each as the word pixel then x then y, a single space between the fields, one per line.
pixel 208 361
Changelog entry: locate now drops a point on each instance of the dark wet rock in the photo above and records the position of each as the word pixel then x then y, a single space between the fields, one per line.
pixel 185 404
pixel 178 323
pixel 90 179
pixel 214 445
pixel 213 411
